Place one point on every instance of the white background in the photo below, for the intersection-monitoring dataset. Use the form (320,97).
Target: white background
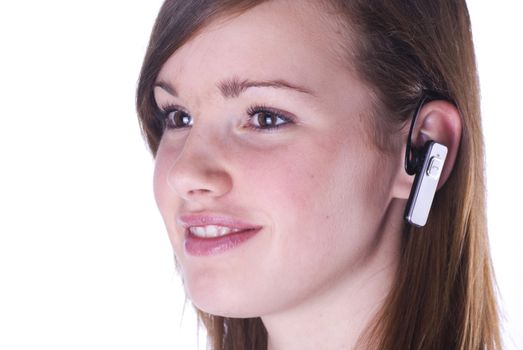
(84,259)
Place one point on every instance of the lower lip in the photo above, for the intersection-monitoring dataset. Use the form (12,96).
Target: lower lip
(195,245)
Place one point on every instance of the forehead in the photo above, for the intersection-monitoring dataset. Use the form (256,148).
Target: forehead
(291,39)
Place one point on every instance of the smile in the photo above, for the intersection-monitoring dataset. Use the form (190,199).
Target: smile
(214,234)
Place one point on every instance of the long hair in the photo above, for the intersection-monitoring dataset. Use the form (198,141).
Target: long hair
(443,296)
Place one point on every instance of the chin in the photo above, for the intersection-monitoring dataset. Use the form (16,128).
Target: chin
(224,300)
(225,308)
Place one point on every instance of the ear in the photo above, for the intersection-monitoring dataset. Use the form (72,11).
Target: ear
(438,121)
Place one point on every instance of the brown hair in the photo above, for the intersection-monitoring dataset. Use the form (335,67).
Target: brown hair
(443,296)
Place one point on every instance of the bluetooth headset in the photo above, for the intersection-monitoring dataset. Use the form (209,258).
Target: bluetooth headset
(427,164)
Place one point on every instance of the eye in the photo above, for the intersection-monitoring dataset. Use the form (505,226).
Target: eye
(174,118)
(263,118)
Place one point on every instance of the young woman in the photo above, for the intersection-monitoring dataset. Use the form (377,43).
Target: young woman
(282,134)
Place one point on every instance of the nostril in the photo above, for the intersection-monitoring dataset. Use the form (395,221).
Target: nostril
(195,184)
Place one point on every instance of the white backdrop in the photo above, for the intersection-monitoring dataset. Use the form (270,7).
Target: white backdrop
(84,259)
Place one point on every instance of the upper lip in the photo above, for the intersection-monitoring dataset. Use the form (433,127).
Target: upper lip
(190,220)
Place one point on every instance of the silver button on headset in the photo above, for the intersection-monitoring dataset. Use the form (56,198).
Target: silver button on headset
(434,169)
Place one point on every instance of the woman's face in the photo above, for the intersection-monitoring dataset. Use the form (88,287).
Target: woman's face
(268,136)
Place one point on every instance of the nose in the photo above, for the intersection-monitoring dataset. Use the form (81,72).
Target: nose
(199,172)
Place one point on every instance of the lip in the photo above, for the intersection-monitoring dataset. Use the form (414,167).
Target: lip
(201,246)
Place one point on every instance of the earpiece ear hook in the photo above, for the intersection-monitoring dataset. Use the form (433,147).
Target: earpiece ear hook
(412,155)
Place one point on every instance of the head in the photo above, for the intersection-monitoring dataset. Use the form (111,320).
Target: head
(292,117)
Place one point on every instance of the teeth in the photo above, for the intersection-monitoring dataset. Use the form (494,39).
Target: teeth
(212,231)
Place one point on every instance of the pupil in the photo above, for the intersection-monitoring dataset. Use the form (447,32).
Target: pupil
(180,118)
(267,119)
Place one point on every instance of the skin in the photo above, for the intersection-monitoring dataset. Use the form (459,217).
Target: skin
(329,202)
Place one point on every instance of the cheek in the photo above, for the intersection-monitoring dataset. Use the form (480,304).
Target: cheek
(160,183)
(283,179)
(314,176)
(323,191)
(166,199)
(164,192)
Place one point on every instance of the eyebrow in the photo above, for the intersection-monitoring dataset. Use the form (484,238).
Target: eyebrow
(234,87)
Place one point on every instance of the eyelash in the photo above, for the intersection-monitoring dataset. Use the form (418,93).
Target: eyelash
(252,111)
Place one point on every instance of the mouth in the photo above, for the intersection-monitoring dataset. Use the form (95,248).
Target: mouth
(212,234)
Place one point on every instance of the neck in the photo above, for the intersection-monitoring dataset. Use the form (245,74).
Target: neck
(338,316)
